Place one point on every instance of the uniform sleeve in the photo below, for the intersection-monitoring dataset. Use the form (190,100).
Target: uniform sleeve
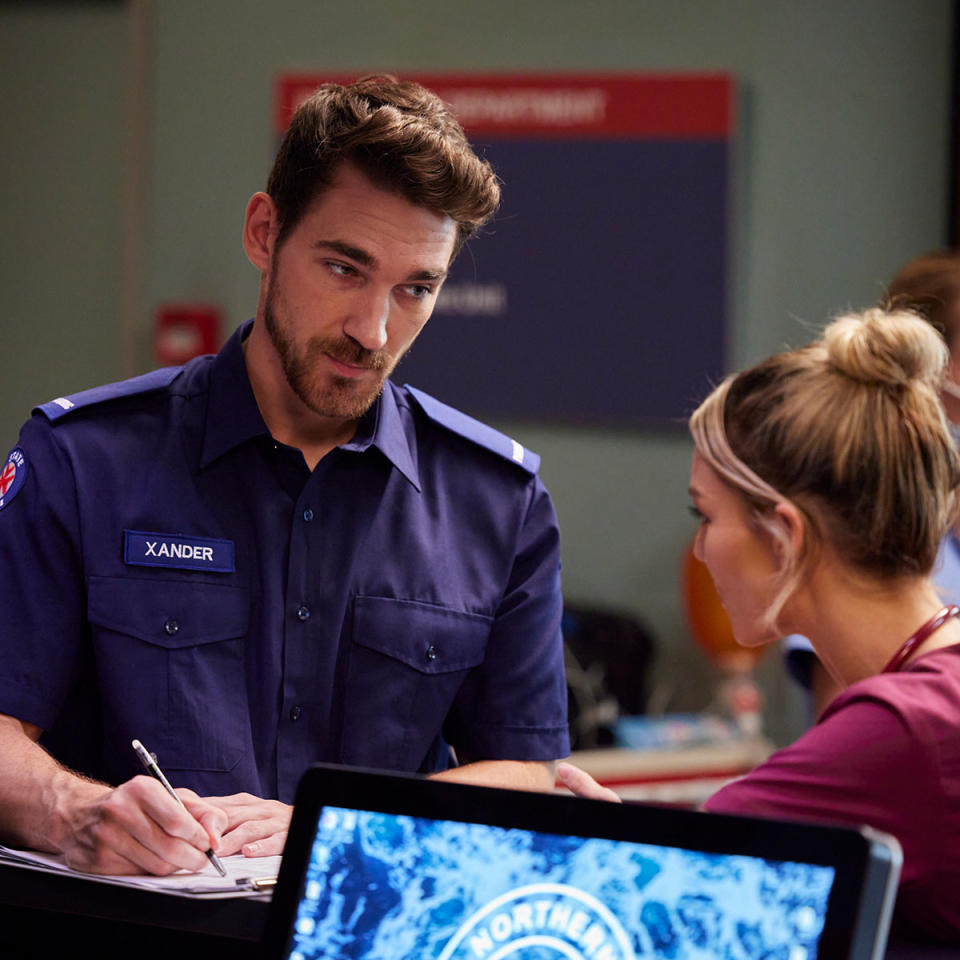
(514,706)
(41,585)
(861,765)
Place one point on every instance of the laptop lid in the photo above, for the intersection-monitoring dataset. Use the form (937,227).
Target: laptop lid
(394,867)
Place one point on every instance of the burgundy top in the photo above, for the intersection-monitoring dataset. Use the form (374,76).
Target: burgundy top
(886,752)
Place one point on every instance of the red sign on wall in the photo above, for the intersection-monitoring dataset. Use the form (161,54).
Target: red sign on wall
(184,331)
(561,105)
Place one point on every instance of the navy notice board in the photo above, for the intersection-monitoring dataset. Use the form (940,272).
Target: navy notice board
(597,295)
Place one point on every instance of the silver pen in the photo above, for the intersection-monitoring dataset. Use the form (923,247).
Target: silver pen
(147,760)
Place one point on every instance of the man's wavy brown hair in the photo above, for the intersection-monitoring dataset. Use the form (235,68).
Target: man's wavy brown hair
(401,135)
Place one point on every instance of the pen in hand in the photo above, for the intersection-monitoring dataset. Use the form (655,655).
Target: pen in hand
(157,773)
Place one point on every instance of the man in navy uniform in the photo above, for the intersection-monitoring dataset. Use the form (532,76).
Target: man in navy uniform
(275,556)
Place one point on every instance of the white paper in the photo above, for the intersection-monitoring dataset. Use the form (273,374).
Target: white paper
(207,883)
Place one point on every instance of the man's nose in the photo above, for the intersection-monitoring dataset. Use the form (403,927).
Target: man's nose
(367,322)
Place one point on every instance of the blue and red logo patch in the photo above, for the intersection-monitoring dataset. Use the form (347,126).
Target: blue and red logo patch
(12,476)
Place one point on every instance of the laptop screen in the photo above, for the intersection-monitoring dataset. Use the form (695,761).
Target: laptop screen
(400,886)
(444,883)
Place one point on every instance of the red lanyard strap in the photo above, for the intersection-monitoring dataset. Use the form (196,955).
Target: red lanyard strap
(914,641)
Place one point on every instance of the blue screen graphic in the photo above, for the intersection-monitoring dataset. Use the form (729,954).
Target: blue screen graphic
(387,887)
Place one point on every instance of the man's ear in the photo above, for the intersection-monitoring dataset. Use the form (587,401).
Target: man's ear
(260,226)
(792,529)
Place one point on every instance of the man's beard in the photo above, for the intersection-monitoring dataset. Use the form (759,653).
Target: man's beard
(328,395)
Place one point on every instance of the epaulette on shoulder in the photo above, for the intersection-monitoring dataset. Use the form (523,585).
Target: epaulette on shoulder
(155,380)
(479,433)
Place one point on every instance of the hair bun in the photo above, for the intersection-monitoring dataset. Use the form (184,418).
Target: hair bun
(889,347)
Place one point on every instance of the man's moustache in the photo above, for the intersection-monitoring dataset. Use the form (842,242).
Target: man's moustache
(355,355)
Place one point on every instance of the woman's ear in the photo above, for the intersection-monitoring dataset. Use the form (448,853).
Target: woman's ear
(260,231)
(792,529)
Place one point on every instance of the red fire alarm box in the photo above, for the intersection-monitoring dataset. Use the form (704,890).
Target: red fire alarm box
(184,331)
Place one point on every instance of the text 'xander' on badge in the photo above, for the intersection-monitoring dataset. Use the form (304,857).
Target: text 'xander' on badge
(178,551)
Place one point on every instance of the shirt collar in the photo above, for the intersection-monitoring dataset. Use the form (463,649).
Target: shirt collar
(233,416)
(232,412)
(382,427)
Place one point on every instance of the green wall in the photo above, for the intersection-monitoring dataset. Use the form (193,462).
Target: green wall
(841,176)
(62,75)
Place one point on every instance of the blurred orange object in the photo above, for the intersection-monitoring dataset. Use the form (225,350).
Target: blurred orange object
(708,620)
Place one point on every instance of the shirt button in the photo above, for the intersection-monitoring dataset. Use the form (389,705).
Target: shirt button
(303,612)
(431,652)
(295,713)
(308,514)
(171,627)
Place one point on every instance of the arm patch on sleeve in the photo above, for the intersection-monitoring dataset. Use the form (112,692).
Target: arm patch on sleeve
(12,476)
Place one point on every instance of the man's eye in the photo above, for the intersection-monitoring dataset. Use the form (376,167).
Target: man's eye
(418,291)
(340,269)
(700,518)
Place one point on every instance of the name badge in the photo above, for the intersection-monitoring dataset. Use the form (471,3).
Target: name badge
(184,553)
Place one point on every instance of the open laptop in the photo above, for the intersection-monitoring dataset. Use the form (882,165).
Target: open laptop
(396,867)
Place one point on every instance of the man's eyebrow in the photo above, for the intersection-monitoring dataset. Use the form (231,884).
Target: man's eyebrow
(348,250)
(427,275)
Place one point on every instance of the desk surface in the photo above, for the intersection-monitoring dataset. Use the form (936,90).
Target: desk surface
(686,774)
(46,915)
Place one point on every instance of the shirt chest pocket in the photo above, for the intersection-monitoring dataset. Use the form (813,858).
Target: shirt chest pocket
(170,660)
(406,663)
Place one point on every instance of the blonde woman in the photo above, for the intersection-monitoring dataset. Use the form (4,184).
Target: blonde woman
(825,479)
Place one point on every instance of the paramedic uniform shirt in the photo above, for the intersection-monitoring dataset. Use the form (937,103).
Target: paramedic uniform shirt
(169,572)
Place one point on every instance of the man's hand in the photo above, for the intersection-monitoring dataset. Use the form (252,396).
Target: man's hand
(583,785)
(255,827)
(136,828)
